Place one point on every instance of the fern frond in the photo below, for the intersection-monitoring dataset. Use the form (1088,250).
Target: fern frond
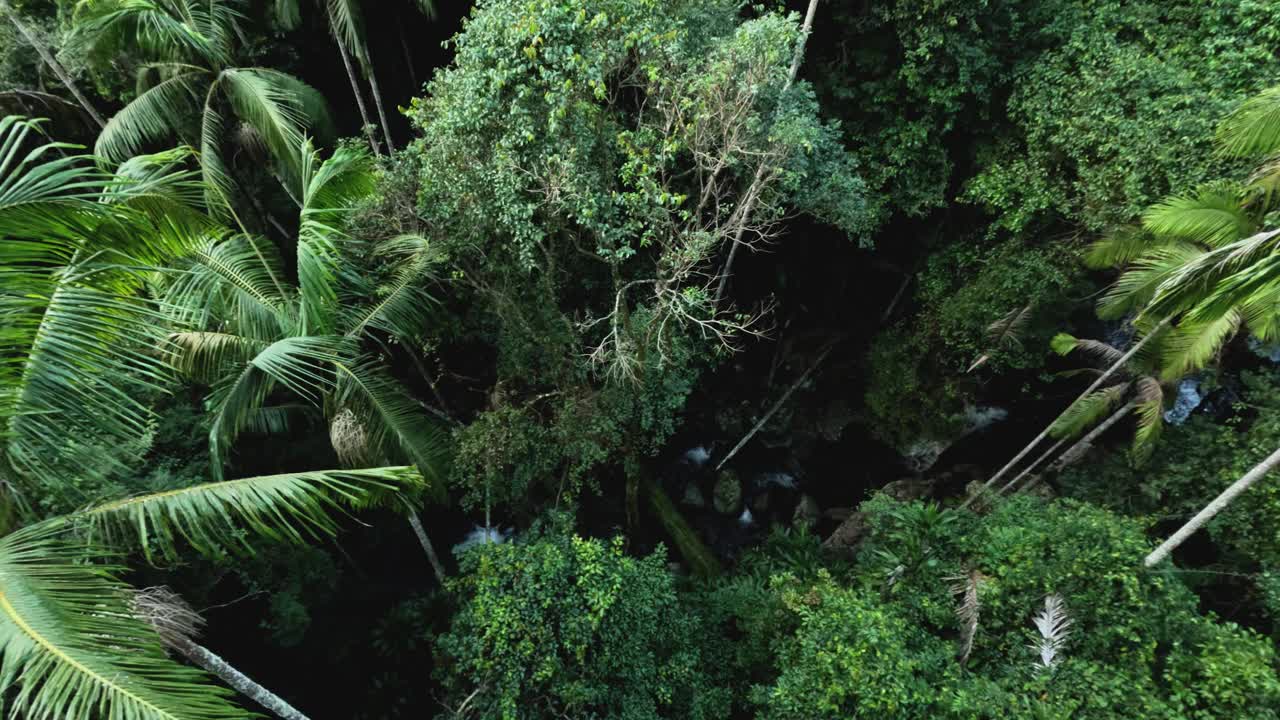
(1054,625)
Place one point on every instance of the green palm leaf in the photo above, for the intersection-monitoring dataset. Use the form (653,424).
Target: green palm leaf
(213,517)
(399,310)
(1214,215)
(1253,129)
(394,425)
(1194,343)
(1136,286)
(331,191)
(165,111)
(274,105)
(1118,247)
(1149,405)
(71,649)
(1087,411)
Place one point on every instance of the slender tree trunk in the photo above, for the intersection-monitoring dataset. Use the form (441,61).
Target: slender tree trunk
(427,547)
(206,659)
(1035,464)
(63,76)
(692,549)
(1077,451)
(1213,508)
(757,182)
(355,90)
(765,418)
(382,115)
(1117,365)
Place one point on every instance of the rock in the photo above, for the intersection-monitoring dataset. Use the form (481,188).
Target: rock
(726,498)
(849,534)
(760,504)
(693,496)
(807,512)
(908,488)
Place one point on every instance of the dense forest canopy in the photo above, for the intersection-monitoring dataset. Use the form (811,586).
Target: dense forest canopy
(639,359)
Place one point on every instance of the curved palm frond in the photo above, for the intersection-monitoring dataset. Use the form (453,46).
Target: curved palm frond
(1119,247)
(1194,343)
(213,517)
(399,310)
(1149,404)
(165,111)
(1087,411)
(1064,344)
(347,23)
(287,14)
(1253,129)
(173,30)
(234,282)
(394,425)
(207,356)
(331,191)
(1219,280)
(1136,286)
(1213,215)
(70,647)
(278,107)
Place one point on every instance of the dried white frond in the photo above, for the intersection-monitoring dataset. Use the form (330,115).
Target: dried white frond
(168,613)
(1004,334)
(349,438)
(1054,625)
(965,588)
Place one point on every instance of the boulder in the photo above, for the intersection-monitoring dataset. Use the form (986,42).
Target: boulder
(726,498)
(806,513)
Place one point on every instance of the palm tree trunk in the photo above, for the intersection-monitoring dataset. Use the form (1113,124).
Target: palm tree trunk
(245,685)
(1045,433)
(355,89)
(382,115)
(63,76)
(701,562)
(757,182)
(1213,508)
(1077,451)
(416,523)
(1035,464)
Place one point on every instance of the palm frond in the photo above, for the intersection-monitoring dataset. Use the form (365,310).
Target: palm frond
(234,281)
(1118,247)
(346,21)
(173,30)
(1253,129)
(275,105)
(1221,279)
(399,310)
(331,191)
(1096,350)
(1149,404)
(968,609)
(207,356)
(1136,286)
(227,515)
(1194,343)
(1213,215)
(1087,411)
(163,112)
(394,424)
(70,648)
(288,14)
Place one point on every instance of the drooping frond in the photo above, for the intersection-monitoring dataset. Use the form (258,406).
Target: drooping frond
(1004,333)
(1149,404)
(331,191)
(399,309)
(1136,286)
(1253,129)
(75,330)
(162,113)
(1221,279)
(1096,350)
(278,107)
(288,14)
(174,30)
(207,356)
(1260,312)
(219,189)
(1054,625)
(70,648)
(234,281)
(1087,411)
(1194,343)
(1118,247)
(395,425)
(1213,215)
(965,589)
(228,515)
(347,23)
